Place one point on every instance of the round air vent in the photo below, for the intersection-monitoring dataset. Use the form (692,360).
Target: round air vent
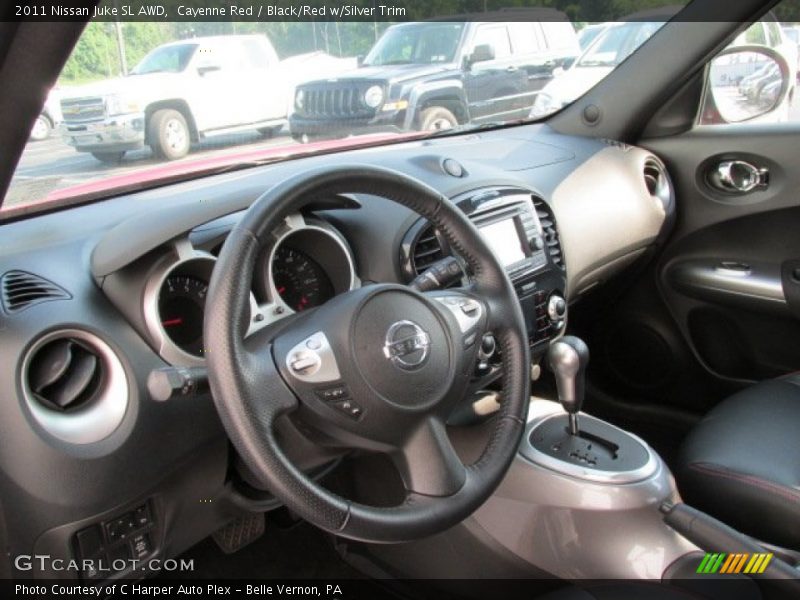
(65,374)
(75,386)
(656,181)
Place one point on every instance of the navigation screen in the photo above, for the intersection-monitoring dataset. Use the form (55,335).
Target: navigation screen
(504,241)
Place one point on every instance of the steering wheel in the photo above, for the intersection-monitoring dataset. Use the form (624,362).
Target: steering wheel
(378,368)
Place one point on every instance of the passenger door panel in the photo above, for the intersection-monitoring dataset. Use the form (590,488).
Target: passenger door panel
(728,273)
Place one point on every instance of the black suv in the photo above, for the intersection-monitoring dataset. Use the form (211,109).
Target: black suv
(436,75)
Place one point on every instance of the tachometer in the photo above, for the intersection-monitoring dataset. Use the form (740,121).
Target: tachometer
(181,303)
(299,280)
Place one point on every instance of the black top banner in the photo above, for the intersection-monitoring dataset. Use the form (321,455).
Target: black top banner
(372,10)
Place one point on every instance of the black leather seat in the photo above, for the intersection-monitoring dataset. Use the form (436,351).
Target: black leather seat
(741,463)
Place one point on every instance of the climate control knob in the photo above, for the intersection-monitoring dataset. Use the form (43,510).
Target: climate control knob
(556,308)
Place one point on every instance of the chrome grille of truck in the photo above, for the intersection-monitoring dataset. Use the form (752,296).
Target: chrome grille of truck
(344,102)
(78,110)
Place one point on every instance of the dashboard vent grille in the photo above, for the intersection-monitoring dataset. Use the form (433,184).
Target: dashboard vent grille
(427,250)
(65,374)
(21,290)
(551,239)
(653,176)
(657,181)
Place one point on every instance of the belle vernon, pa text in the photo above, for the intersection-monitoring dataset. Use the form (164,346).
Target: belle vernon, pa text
(253,10)
(135,589)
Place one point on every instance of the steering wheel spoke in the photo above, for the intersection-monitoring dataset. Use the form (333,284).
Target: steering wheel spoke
(428,463)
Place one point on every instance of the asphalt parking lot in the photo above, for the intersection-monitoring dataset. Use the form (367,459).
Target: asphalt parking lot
(52,164)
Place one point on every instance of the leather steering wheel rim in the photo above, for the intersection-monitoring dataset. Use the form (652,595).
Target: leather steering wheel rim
(251,390)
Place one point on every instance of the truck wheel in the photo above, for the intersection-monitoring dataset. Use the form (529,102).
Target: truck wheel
(437,118)
(41,129)
(168,134)
(110,158)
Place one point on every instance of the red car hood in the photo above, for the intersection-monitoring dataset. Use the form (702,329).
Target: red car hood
(142,178)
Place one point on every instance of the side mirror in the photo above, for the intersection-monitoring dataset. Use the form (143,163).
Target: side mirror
(360,60)
(481,53)
(208,68)
(745,83)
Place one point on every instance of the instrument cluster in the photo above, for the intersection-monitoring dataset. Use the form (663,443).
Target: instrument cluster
(308,264)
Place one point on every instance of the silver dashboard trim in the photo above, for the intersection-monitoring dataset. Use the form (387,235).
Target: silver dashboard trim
(98,419)
(275,308)
(166,348)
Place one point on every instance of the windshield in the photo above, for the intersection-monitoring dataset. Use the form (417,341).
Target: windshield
(419,43)
(169,59)
(617,43)
(234,94)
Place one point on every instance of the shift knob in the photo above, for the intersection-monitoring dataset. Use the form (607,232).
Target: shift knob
(568,357)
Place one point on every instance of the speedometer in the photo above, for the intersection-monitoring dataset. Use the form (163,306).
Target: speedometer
(180,306)
(300,281)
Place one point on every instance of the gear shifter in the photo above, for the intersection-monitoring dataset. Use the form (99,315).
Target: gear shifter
(568,358)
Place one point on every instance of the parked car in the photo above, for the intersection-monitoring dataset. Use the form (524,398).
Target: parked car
(173,96)
(49,119)
(792,34)
(751,87)
(589,33)
(619,40)
(437,75)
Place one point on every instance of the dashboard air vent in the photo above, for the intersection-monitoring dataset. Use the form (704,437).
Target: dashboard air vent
(657,181)
(65,374)
(427,250)
(21,290)
(550,231)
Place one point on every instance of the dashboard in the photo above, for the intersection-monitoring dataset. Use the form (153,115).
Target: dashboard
(115,291)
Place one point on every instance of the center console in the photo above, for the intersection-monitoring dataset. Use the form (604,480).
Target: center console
(582,498)
(520,229)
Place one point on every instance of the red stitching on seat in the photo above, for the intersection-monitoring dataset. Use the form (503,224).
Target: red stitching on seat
(787,493)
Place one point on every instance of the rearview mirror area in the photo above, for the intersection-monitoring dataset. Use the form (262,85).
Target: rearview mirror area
(747,83)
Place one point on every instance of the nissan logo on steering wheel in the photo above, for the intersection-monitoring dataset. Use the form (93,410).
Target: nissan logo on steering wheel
(407,345)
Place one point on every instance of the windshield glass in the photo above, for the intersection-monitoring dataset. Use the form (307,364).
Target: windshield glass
(169,59)
(140,103)
(419,43)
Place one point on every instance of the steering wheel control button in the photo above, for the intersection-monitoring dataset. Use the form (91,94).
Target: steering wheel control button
(313,361)
(407,345)
(350,408)
(470,308)
(329,394)
(466,311)
(305,363)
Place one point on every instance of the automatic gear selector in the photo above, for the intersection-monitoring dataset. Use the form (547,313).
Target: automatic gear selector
(587,447)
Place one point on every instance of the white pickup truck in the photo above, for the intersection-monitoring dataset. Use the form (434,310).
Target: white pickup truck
(173,96)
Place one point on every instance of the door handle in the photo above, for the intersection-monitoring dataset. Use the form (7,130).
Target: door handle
(738,177)
(511,69)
